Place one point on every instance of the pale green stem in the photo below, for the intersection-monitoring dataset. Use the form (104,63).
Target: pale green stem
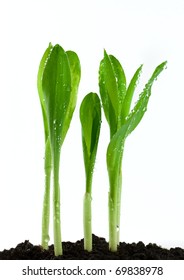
(56,209)
(115,208)
(112,224)
(119,205)
(119,189)
(46,201)
(87,222)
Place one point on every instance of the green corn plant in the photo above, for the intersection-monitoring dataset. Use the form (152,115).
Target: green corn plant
(116,101)
(90,117)
(58,81)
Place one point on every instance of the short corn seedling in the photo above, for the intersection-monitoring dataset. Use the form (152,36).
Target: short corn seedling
(58,81)
(90,117)
(116,101)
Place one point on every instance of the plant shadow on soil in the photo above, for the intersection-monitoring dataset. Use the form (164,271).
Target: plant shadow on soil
(75,251)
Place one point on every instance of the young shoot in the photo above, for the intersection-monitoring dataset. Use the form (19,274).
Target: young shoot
(116,101)
(58,80)
(90,117)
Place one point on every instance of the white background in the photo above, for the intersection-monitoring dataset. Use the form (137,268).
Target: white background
(136,32)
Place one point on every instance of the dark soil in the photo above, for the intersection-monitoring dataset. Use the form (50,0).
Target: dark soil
(75,251)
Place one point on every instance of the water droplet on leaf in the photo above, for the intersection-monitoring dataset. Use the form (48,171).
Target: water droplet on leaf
(47,239)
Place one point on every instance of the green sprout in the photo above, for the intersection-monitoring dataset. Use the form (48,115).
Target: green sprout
(116,101)
(58,81)
(90,117)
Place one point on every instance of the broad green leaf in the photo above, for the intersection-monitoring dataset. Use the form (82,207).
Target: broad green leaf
(39,86)
(111,83)
(120,80)
(75,70)
(90,117)
(106,102)
(57,94)
(129,94)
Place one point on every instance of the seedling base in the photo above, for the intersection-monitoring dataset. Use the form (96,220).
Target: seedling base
(75,251)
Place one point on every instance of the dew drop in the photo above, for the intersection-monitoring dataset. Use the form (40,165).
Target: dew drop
(144,109)
(47,238)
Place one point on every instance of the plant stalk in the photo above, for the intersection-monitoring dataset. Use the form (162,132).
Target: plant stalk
(119,179)
(112,224)
(56,209)
(46,201)
(115,207)
(119,204)
(87,222)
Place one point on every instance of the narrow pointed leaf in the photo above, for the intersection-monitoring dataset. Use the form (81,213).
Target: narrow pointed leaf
(140,108)
(129,94)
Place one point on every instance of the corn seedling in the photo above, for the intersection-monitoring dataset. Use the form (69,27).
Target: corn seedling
(58,80)
(116,101)
(90,117)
